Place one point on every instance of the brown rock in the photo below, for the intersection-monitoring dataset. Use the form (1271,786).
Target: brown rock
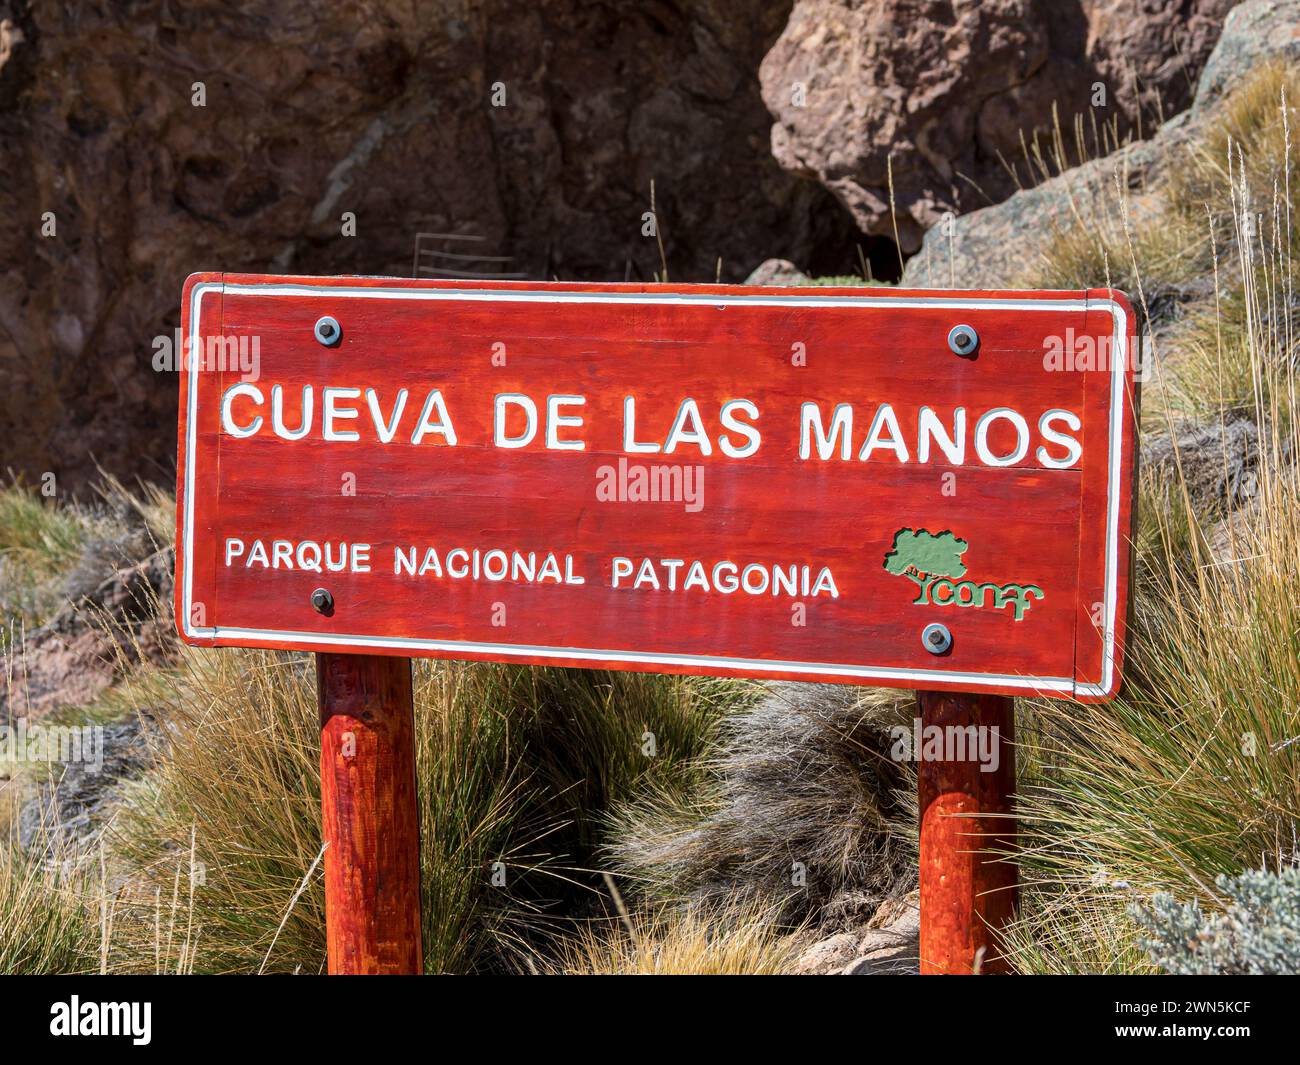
(777,272)
(384,109)
(986,248)
(53,670)
(84,649)
(946,90)
(892,943)
(827,955)
(888,943)
(895,912)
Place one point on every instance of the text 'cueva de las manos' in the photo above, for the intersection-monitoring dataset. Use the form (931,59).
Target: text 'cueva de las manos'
(822,431)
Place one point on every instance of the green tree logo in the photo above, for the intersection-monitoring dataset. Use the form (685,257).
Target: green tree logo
(921,556)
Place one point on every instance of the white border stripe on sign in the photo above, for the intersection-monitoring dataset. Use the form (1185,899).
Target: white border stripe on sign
(636,658)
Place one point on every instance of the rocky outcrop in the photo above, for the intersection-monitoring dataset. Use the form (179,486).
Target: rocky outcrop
(889,944)
(986,248)
(924,105)
(780,272)
(112,620)
(302,138)
(136,147)
(993,247)
(1255,31)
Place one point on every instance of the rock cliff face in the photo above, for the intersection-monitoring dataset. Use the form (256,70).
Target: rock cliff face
(946,89)
(142,141)
(139,143)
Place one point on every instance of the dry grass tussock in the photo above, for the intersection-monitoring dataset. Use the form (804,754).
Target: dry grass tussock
(1195,770)
(802,805)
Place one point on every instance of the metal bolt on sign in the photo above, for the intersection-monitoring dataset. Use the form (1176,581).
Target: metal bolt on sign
(936,638)
(322,601)
(963,340)
(328,331)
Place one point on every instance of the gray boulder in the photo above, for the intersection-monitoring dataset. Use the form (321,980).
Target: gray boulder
(889,943)
(1254,32)
(777,272)
(75,798)
(906,109)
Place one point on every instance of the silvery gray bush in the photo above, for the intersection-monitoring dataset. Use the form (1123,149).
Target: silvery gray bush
(1257,934)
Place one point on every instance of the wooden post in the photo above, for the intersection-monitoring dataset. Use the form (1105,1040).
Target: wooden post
(966,897)
(369,816)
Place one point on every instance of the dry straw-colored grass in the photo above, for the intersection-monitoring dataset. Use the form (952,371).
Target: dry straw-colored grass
(801,804)
(731,939)
(514,769)
(1195,769)
(50,902)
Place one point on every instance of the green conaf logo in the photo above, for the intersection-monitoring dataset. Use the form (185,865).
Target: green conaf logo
(933,562)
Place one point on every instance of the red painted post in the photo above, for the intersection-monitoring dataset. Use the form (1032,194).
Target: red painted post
(369,816)
(966,897)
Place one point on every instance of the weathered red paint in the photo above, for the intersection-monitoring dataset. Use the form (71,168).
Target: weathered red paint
(1064,530)
(968,892)
(370,821)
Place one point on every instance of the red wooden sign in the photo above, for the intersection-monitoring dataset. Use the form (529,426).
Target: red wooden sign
(919,489)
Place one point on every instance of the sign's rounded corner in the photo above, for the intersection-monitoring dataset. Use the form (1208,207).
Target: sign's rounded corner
(200,278)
